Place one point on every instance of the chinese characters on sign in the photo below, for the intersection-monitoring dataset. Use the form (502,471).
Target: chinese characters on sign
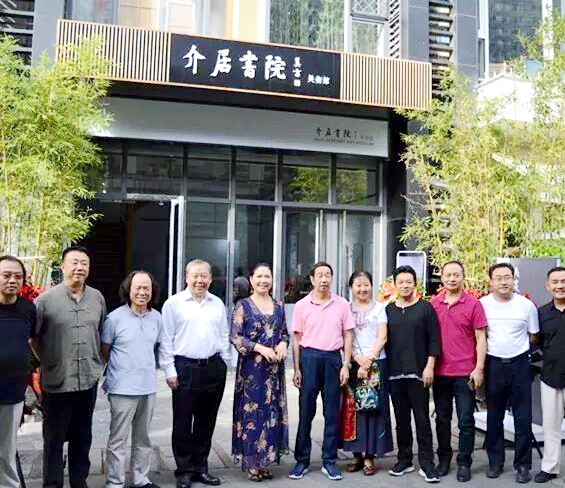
(344,135)
(255,67)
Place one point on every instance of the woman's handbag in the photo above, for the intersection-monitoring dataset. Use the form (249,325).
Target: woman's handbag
(366,392)
(367,397)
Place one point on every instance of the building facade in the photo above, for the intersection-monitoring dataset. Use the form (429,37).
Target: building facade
(16,20)
(229,147)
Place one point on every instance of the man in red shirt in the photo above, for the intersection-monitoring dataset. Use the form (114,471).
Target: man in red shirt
(460,368)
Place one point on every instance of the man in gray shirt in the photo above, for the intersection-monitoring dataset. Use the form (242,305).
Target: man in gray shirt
(129,337)
(69,319)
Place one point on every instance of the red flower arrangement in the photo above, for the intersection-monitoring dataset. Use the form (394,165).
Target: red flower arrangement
(30,292)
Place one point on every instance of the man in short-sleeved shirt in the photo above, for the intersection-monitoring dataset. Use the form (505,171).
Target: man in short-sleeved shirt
(69,318)
(17,320)
(460,367)
(511,319)
(322,325)
(552,343)
(129,338)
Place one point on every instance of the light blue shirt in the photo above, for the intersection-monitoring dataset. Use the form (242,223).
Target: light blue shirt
(132,339)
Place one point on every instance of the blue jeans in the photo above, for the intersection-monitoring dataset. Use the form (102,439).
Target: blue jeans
(320,374)
(509,379)
(445,389)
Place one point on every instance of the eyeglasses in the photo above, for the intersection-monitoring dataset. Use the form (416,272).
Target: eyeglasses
(503,279)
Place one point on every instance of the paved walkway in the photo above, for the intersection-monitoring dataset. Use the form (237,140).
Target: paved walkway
(220,462)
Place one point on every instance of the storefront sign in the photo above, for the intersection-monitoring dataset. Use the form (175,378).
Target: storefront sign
(254,67)
(214,124)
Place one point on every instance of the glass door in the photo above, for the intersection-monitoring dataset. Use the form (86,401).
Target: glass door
(348,241)
(176,281)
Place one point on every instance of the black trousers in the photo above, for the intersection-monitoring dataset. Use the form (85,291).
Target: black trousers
(320,374)
(509,379)
(445,390)
(67,417)
(410,396)
(196,402)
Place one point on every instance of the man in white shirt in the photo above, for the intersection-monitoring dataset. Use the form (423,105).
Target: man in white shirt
(511,319)
(194,355)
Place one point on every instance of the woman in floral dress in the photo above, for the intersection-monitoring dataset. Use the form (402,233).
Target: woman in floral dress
(369,434)
(260,421)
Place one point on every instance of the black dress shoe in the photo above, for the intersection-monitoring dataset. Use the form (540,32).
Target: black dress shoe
(463,474)
(443,468)
(184,481)
(543,477)
(494,471)
(207,479)
(523,475)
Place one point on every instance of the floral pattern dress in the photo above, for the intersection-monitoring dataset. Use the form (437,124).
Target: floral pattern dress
(260,419)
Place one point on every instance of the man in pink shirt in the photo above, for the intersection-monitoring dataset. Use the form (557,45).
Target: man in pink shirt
(322,326)
(460,369)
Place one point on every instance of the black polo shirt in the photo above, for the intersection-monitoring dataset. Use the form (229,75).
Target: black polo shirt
(552,343)
(16,324)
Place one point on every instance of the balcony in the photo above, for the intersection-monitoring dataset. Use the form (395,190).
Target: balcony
(149,56)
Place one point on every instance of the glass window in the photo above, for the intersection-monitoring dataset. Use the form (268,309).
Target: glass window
(358,247)
(253,237)
(154,168)
(111,172)
(357,180)
(368,38)
(208,171)
(314,23)
(91,11)
(306,177)
(301,242)
(207,238)
(255,173)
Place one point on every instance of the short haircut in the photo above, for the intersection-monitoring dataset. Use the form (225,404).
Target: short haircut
(552,270)
(76,248)
(125,288)
(197,262)
(358,274)
(498,266)
(320,264)
(14,259)
(405,269)
(454,261)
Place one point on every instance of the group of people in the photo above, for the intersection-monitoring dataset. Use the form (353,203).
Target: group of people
(453,343)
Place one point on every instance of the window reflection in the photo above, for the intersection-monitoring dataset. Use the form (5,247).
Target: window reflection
(301,253)
(154,168)
(255,174)
(253,237)
(208,171)
(306,177)
(356,180)
(314,23)
(206,238)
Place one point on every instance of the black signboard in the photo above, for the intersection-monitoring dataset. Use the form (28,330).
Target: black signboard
(256,67)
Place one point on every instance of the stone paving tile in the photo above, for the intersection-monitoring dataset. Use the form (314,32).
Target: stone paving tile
(30,446)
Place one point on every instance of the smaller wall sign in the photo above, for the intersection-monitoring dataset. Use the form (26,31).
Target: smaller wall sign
(255,67)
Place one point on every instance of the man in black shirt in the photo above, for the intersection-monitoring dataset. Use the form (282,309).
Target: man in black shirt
(552,343)
(412,347)
(17,318)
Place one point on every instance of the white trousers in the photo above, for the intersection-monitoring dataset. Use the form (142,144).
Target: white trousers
(10,418)
(552,401)
(129,413)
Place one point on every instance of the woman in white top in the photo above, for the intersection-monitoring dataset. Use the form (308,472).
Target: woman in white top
(370,434)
